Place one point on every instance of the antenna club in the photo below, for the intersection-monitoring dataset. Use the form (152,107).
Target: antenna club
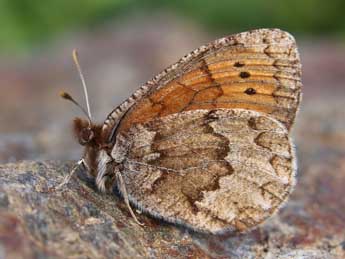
(65,95)
(68,97)
(75,55)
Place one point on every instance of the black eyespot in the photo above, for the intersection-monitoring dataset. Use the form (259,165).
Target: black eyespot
(250,91)
(238,64)
(244,74)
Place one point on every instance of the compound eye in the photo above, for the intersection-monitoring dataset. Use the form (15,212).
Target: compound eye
(86,135)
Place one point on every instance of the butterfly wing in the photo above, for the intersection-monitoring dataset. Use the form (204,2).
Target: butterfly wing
(211,170)
(258,70)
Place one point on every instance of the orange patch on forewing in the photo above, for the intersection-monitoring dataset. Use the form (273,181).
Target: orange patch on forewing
(240,87)
(193,77)
(165,91)
(238,80)
(144,111)
(236,54)
(167,100)
(243,97)
(176,101)
(252,75)
(177,96)
(236,92)
(207,82)
(209,94)
(214,105)
(259,62)
(219,65)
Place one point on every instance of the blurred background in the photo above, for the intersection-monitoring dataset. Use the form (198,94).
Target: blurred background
(124,43)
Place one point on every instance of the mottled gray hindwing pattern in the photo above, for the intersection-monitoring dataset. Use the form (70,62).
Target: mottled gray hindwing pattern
(210,170)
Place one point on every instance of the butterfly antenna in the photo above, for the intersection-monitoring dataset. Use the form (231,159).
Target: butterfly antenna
(68,97)
(76,61)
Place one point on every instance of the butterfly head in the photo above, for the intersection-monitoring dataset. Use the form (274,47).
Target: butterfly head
(85,132)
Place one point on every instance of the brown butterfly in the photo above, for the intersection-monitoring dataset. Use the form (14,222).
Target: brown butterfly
(206,142)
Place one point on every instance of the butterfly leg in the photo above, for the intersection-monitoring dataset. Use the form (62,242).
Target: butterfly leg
(123,190)
(69,176)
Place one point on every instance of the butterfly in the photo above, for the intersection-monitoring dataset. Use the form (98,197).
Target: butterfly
(206,143)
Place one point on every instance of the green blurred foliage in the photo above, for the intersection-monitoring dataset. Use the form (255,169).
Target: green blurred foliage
(27,22)
(313,17)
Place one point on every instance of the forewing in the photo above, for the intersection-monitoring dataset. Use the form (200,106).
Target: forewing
(212,170)
(258,70)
